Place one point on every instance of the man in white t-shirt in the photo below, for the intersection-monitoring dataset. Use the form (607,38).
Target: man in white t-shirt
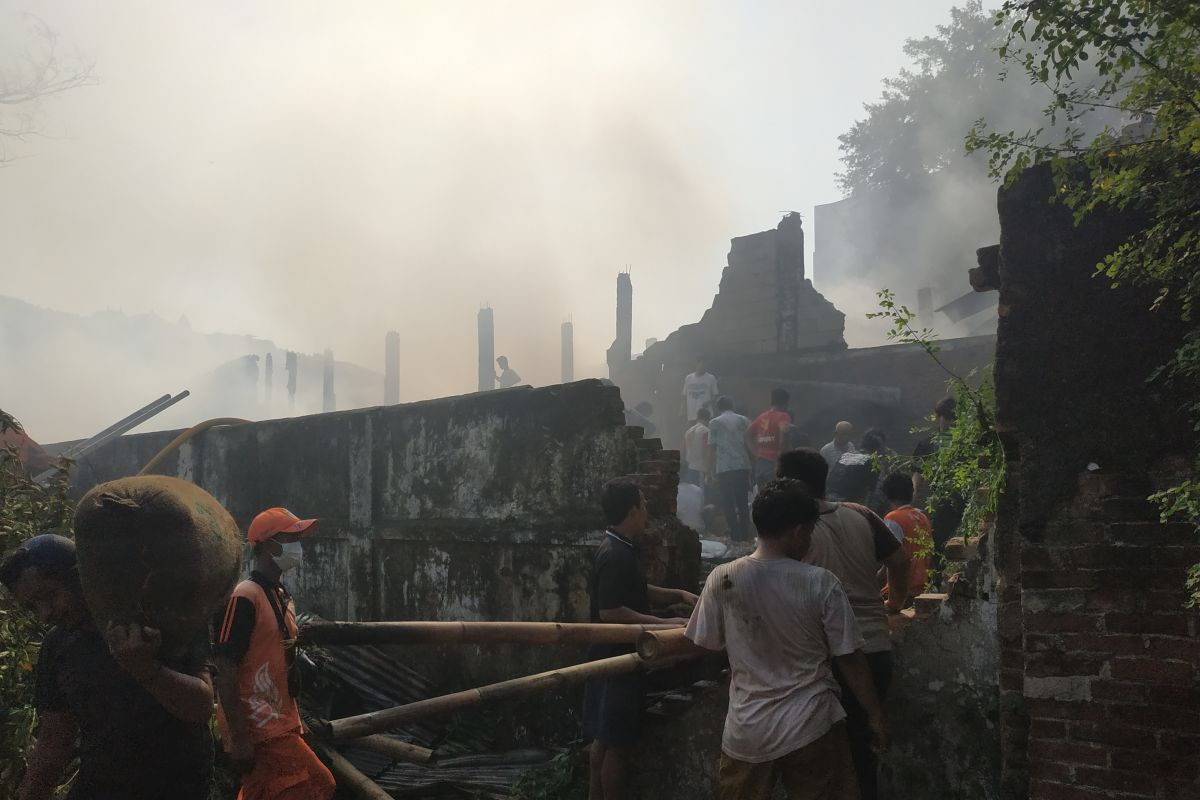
(699,390)
(784,624)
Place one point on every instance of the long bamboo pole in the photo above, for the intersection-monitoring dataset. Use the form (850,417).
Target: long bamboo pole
(344,633)
(388,718)
(401,751)
(658,645)
(347,775)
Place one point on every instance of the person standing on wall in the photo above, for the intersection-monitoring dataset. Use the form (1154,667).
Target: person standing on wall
(851,541)
(141,722)
(731,463)
(784,625)
(699,391)
(257,678)
(508,376)
(612,707)
(765,436)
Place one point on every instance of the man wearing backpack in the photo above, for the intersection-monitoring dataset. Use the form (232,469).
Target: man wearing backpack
(256,674)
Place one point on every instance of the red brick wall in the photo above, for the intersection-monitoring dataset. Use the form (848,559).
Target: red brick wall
(1100,658)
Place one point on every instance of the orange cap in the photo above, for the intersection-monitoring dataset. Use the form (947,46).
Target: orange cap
(276,520)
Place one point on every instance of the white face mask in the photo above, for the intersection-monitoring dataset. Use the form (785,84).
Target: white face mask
(291,557)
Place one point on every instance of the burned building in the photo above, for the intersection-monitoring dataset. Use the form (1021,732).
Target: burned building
(768,327)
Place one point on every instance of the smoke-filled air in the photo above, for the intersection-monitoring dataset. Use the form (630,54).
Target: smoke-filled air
(315,175)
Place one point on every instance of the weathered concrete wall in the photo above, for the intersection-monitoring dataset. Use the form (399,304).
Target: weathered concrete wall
(943,706)
(1100,679)
(481,507)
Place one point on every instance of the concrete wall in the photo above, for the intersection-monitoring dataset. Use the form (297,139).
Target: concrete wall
(481,507)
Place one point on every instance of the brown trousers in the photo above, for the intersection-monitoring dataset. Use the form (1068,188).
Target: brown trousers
(821,770)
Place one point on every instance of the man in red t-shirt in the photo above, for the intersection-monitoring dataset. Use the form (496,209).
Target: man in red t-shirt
(911,527)
(764,437)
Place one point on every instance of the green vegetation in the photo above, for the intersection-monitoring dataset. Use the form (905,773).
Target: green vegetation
(1147,56)
(968,468)
(26,509)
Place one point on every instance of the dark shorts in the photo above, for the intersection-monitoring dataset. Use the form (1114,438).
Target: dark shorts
(612,710)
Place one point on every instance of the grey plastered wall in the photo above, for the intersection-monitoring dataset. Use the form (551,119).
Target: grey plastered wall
(483,506)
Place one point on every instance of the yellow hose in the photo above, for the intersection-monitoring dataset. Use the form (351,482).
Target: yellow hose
(188,434)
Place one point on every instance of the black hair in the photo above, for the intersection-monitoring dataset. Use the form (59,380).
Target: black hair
(52,554)
(724,403)
(807,466)
(898,487)
(873,441)
(704,414)
(620,497)
(947,408)
(782,505)
(780,397)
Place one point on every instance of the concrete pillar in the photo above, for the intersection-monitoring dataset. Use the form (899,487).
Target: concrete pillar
(568,352)
(487,351)
(925,307)
(391,369)
(329,401)
(621,351)
(268,379)
(290,365)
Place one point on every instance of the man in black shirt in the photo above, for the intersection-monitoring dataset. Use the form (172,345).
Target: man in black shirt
(142,724)
(612,707)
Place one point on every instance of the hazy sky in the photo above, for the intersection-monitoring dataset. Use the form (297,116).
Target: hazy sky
(317,173)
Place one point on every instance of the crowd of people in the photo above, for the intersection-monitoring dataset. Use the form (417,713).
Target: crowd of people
(803,618)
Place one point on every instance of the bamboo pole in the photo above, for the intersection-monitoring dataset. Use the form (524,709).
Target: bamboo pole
(388,718)
(347,775)
(656,646)
(401,751)
(345,633)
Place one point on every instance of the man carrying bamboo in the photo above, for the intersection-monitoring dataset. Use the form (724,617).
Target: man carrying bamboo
(612,707)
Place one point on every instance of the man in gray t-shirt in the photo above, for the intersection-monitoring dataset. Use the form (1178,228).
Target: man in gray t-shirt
(784,624)
(731,464)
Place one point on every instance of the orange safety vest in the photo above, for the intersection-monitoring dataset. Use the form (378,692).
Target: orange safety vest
(263,672)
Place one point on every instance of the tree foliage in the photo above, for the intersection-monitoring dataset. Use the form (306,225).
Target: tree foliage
(916,127)
(26,509)
(38,72)
(968,468)
(1146,54)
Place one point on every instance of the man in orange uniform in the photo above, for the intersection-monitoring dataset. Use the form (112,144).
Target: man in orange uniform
(256,674)
(911,527)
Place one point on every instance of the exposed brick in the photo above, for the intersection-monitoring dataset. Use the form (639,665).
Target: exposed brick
(1048,790)
(1072,752)
(1108,733)
(1181,790)
(1166,624)
(1151,670)
(1047,729)
(1117,644)
(1063,623)
(1173,718)
(1120,690)
(1042,769)
(1059,579)
(1129,782)
(1063,664)
(1162,765)
(1188,696)
(1062,710)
